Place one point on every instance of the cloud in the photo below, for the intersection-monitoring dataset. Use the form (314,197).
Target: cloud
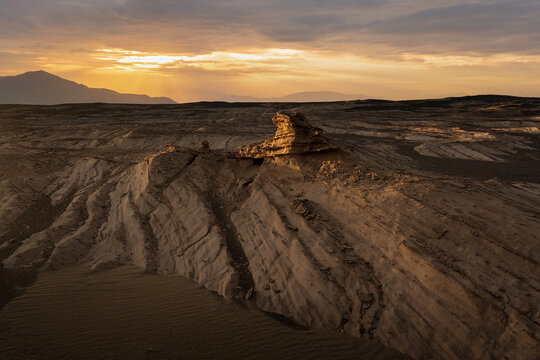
(394,47)
(481,27)
(195,25)
(11,61)
(265,60)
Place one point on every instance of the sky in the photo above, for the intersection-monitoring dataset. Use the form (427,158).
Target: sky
(193,50)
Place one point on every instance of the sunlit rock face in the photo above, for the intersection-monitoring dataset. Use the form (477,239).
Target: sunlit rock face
(294,135)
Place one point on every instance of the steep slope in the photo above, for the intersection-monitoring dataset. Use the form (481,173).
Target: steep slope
(42,88)
(360,239)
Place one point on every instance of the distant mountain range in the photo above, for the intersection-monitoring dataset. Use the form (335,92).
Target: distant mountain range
(306,96)
(42,88)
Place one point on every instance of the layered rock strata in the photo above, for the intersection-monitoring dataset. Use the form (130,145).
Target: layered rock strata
(294,135)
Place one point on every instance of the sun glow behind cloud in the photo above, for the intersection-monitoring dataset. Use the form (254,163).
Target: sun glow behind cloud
(217,60)
(273,71)
(268,72)
(194,50)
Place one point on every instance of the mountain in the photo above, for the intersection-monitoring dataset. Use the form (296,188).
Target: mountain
(305,96)
(42,88)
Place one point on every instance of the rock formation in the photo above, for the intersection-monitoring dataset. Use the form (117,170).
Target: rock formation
(294,135)
(439,262)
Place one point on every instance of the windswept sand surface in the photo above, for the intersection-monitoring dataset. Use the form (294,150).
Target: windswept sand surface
(126,314)
(420,233)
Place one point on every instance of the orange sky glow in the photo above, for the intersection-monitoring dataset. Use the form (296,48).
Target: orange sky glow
(191,51)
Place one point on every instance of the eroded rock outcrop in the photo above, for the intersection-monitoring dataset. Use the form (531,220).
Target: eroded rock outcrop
(294,135)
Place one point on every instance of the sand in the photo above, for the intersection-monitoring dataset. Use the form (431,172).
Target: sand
(126,313)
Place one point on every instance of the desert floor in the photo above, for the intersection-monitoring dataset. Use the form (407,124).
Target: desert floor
(419,230)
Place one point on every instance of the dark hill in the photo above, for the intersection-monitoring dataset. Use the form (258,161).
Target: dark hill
(42,88)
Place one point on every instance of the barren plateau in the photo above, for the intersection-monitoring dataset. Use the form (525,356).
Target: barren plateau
(415,224)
